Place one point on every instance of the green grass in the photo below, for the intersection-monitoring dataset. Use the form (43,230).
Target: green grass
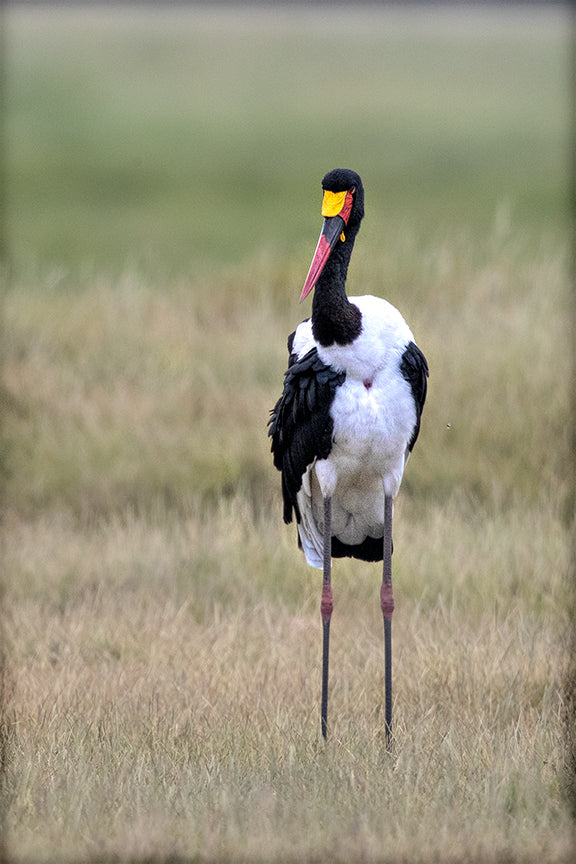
(180,138)
(161,631)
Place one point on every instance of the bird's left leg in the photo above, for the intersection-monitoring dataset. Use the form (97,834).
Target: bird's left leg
(387,606)
(326,607)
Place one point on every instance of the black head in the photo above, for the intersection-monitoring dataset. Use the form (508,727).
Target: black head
(343,210)
(343,180)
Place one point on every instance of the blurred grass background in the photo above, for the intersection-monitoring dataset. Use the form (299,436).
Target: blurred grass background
(178,153)
(184,139)
(161,629)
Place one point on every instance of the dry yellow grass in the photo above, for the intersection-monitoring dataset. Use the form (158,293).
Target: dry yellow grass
(165,680)
(162,631)
(149,654)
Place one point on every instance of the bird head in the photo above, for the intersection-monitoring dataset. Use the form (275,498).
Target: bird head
(343,210)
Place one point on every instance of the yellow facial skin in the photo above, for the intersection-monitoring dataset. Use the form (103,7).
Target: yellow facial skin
(332,203)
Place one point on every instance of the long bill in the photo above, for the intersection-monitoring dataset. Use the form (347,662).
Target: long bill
(332,229)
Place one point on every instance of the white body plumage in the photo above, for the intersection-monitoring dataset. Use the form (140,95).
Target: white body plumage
(374,417)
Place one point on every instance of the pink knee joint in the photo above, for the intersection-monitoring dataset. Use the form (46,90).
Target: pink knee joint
(327,603)
(386,599)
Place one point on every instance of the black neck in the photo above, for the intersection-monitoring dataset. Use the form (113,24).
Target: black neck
(334,318)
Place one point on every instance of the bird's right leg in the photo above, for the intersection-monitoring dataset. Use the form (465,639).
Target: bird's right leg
(326,607)
(387,605)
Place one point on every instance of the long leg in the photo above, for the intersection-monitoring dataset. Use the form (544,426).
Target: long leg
(387,605)
(326,607)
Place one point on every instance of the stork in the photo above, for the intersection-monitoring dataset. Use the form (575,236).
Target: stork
(348,417)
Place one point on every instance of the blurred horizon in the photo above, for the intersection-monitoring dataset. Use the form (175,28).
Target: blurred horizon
(190,136)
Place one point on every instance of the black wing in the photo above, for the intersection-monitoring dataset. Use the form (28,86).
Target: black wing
(414,369)
(300,423)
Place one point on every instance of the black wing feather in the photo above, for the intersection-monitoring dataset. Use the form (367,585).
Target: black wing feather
(414,369)
(300,423)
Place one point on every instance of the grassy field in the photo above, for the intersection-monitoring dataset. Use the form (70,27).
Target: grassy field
(161,631)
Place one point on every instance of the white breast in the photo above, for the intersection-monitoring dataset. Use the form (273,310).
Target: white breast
(374,417)
(384,333)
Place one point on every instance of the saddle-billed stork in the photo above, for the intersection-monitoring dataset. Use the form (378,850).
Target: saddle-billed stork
(348,417)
